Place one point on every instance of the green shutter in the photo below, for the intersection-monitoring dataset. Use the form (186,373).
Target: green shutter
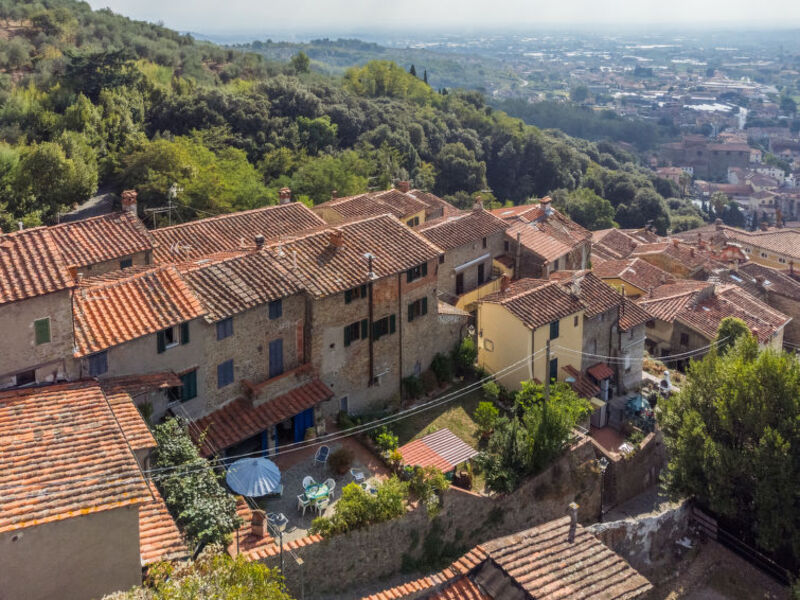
(347,335)
(408,276)
(161,342)
(185,332)
(363,291)
(189,389)
(392,324)
(425,305)
(364,329)
(348,296)
(41,331)
(410,312)
(424,269)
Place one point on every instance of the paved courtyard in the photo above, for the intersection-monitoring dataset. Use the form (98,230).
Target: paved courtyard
(295,466)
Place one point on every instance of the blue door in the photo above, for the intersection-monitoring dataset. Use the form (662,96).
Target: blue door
(303,421)
(275,358)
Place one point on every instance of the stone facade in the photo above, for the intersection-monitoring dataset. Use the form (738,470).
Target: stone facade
(530,264)
(458,271)
(49,361)
(137,259)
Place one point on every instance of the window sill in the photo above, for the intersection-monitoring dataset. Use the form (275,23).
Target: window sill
(172,345)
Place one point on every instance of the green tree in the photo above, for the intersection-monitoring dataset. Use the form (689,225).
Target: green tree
(191,488)
(788,105)
(647,208)
(579,93)
(586,208)
(729,331)
(719,201)
(732,215)
(213,574)
(347,174)
(316,134)
(486,415)
(732,438)
(412,71)
(459,170)
(301,63)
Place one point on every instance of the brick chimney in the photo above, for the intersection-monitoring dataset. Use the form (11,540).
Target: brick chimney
(129,201)
(336,238)
(572,510)
(258,524)
(403,186)
(284,196)
(259,240)
(675,242)
(478,205)
(546,204)
(718,224)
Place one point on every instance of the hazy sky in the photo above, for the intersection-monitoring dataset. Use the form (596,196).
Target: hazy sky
(350,15)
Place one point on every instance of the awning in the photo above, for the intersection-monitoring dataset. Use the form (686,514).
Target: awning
(239,420)
(600,371)
(582,385)
(441,449)
(474,261)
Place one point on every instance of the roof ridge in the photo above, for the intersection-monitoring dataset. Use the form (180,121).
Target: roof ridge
(100,283)
(229,215)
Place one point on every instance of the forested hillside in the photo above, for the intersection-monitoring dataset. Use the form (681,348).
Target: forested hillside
(94,100)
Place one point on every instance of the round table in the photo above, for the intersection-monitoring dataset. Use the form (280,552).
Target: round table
(318,491)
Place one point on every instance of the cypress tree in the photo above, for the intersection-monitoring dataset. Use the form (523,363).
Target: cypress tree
(425,76)
(413,71)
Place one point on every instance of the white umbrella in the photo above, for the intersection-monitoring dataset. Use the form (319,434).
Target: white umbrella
(254,477)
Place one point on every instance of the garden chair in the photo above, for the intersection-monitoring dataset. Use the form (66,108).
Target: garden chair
(308,481)
(278,520)
(321,457)
(303,503)
(358,476)
(331,483)
(321,505)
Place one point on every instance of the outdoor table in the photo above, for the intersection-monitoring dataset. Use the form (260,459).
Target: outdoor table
(318,491)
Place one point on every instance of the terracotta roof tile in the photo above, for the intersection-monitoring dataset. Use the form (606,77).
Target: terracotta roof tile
(238,284)
(114,309)
(537,302)
(231,231)
(549,236)
(239,419)
(682,254)
(62,454)
(582,385)
(245,542)
(159,537)
(635,271)
(102,238)
(774,281)
(31,265)
(613,243)
(441,449)
(461,589)
(371,204)
(456,231)
(435,204)
(600,371)
(136,431)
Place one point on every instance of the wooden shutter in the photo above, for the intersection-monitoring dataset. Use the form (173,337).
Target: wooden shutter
(185,332)
(392,324)
(410,312)
(364,329)
(347,335)
(425,305)
(409,276)
(41,331)
(424,269)
(348,296)
(161,342)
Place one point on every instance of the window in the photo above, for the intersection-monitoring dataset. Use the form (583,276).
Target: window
(344,403)
(125,263)
(41,330)
(506,246)
(225,374)
(555,265)
(650,324)
(554,329)
(275,358)
(355,293)
(225,328)
(459,284)
(553,374)
(98,364)
(483,242)
(275,309)
(417,309)
(575,321)
(441,259)
(763,255)
(187,390)
(172,336)
(481,274)
(417,272)
(684,339)
(25,377)
(355,331)
(384,326)
(413,222)
(627,362)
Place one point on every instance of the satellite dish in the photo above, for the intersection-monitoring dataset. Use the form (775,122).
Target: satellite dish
(471,330)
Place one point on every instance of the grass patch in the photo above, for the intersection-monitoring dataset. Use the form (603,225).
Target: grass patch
(455,416)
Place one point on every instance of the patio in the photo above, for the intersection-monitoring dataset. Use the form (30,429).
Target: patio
(295,466)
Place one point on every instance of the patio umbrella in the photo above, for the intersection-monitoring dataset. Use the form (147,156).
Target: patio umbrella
(253,477)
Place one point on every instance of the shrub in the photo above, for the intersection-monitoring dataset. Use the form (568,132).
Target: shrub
(429,381)
(340,460)
(427,485)
(344,421)
(464,357)
(395,458)
(491,391)
(486,415)
(387,441)
(442,367)
(412,387)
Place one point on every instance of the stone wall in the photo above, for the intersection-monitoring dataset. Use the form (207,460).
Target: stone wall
(791,308)
(466,519)
(629,476)
(464,254)
(649,541)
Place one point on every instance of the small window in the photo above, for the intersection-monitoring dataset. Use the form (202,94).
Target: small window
(441,259)
(275,309)
(355,293)
(344,404)
(25,377)
(225,374)
(506,246)
(125,263)
(98,364)
(413,222)
(554,330)
(187,390)
(575,321)
(225,328)
(627,362)
(417,272)
(483,242)
(417,309)
(41,330)
(650,324)
(763,255)
(384,326)
(684,339)
(355,331)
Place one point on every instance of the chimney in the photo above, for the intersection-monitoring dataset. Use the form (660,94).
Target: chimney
(129,201)
(73,272)
(284,196)
(718,224)
(760,280)
(336,238)
(691,252)
(546,205)
(21,225)
(334,194)
(259,239)
(505,281)
(402,186)
(478,205)
(573,524)
(258,524)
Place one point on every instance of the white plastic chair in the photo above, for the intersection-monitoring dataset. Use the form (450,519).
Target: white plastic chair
(321,505)
(321,457)
(303,503)
(308,481)
(331,483)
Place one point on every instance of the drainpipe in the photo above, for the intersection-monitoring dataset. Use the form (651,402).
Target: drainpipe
(371,314)
(516,256)
(400,330)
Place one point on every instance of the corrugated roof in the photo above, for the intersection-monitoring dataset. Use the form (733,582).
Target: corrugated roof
(239,419)
(102,238)
(31,265)
(62,455)
(441,449)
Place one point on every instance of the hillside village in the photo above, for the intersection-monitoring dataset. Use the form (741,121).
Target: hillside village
(267,329)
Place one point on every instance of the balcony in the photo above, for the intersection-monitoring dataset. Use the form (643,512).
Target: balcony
(468,301)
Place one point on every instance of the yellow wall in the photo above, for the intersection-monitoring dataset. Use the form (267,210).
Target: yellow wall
(631,291)
(504,340)
(468,300)
(772,259)
(419,215)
